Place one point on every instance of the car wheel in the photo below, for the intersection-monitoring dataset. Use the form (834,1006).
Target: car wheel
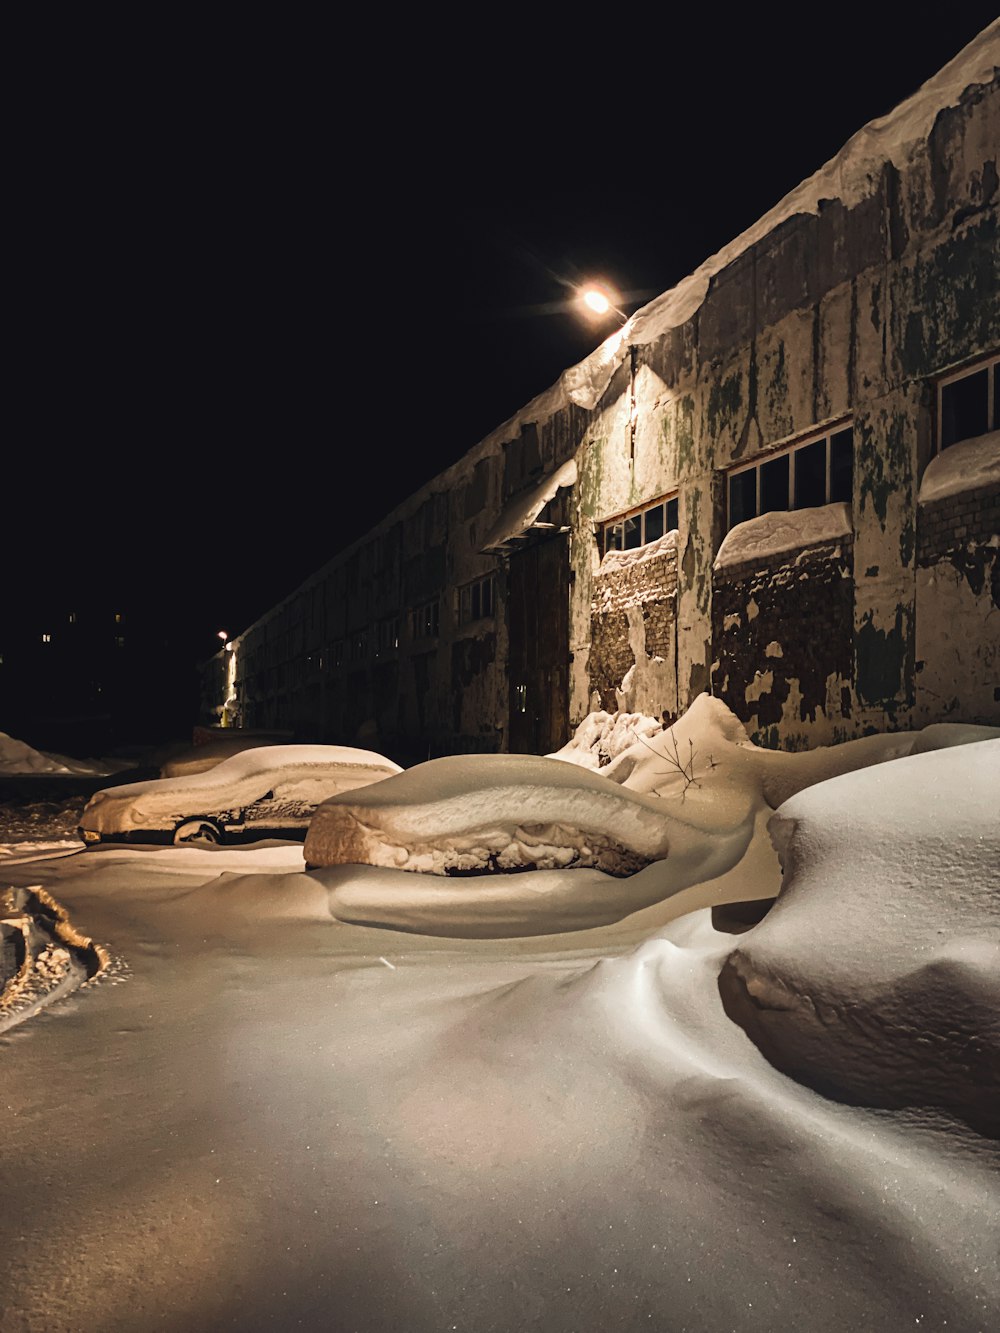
(198,833)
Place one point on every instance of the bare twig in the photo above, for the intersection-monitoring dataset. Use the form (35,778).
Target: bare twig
(686,769)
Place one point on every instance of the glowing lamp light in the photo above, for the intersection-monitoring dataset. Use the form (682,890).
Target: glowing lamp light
(597,299)
(223,635)
(594,299)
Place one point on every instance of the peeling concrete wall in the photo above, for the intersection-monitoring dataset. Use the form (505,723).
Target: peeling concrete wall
(633,634)
(783,630)
(851,312)
(958,608)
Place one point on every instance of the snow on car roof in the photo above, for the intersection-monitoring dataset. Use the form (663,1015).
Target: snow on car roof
(268,759)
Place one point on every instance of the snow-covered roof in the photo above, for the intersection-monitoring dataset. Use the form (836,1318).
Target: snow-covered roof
(850,176)
(519,515)
(786,531)
(962,467)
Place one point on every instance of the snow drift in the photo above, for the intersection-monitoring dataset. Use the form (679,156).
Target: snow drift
(711,792)
(875,978)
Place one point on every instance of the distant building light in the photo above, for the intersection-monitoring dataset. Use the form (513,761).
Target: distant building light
(118,617)
(46,638)
(229,647)
(72,617)
(119,641)
(223,634)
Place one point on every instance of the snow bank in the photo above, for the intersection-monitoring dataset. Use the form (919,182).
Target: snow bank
(962,467)
(713,790)
(42,956)
(16,757)
(601,737)
(785,531)
(423,1133)
(876,976)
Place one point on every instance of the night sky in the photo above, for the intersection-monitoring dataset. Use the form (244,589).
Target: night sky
(273,286)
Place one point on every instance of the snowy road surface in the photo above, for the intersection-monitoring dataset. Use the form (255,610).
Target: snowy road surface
(263,1118)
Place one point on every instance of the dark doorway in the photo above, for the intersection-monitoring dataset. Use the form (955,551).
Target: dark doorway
(538,610)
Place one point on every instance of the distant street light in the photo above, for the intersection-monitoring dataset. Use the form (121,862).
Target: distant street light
(223,635)
(597,299)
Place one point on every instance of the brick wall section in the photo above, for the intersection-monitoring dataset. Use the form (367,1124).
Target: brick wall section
(648,584)
(802,601)
(972,516)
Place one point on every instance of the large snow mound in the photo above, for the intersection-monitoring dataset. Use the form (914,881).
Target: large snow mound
(712,789)
(875,978)
(602,736)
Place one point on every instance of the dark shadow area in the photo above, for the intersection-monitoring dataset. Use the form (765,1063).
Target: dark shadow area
(852,1054)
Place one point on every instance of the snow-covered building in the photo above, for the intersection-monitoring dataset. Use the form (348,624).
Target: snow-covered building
(779,482)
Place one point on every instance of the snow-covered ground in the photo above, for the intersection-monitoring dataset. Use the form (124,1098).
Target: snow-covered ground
(17,757)
(260,1116)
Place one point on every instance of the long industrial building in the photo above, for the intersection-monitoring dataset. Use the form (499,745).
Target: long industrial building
(779,482)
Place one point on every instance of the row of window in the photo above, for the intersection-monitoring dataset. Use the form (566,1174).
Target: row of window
(815,471)
(818,469)
(475,601)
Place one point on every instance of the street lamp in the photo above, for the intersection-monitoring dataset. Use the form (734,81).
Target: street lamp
(597,299)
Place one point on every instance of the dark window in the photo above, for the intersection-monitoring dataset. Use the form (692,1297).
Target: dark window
(742,496)
(823,473)
(810,475)
(965,408)
(654,523)
(629,532)
(774,485)
(476,600)
(842,465)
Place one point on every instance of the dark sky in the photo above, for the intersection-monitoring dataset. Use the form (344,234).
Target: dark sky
(274,282)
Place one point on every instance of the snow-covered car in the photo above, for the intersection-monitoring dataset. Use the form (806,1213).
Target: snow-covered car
(487,813)
(267,792)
